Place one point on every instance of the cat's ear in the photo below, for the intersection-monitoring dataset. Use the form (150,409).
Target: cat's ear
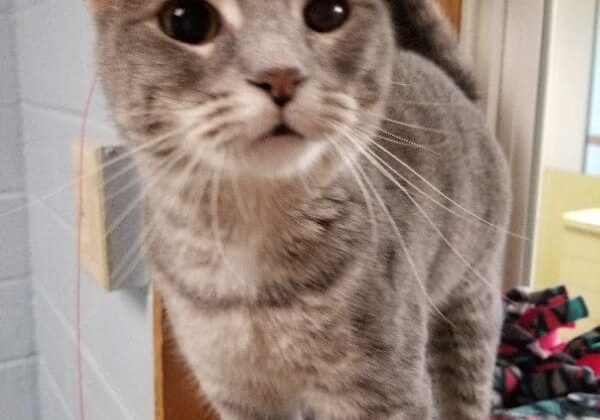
(421,27)
(98,7)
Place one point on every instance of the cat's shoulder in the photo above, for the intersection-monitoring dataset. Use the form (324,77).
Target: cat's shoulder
(422,93)
(420,78)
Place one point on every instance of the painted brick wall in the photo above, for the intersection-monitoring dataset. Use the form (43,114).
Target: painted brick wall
(18,396)
(55,64)
(18,390)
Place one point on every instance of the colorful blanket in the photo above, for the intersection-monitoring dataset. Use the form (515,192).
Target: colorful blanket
(574,406)
(537,375)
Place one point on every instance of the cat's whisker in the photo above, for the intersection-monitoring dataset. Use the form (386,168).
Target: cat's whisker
(419,127)
(378,164)
(346,129)
(405,144)
(227,137)
(407,253)
(239,201)
(399,140)
(214,211)
(435,189)
(399,235)
(433,104)
(196,110)
(401,84)
(214,220)
(214,126)
(444,195)
(305,184)
(202,96)
(463,216)
(129,167)
(136,253)
(342,100)
(449,244)
(396,139)
(136,180)
(378,128)
(33,201)
(185,181)
(187,116)
(148,183)
(369,203)
(134,256)
(413,126)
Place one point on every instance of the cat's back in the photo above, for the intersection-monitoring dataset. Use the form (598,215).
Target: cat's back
(430,106)
(447,162)
(442,135)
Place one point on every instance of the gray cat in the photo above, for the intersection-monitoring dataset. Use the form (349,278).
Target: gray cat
(325,209)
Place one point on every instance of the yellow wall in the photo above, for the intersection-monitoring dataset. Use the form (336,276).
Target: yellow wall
(561,192)
(564,255)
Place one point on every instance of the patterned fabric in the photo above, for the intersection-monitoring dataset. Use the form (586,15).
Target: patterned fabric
(537,376)
(586,349)
(574,406)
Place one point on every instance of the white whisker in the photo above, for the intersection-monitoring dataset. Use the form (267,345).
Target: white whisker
(374,161)
(239,201)
(419,127)
(401,240)
(442,194)
(148,183)
(399,140)
(59,190)
(365,192)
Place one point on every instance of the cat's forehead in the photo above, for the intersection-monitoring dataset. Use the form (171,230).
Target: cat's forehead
(236,11)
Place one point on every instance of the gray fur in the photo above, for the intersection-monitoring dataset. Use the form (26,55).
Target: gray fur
(291,292)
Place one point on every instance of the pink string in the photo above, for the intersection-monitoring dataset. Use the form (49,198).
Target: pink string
(84,119)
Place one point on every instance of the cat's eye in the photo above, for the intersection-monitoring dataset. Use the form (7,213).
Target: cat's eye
(189,21)
(326,15)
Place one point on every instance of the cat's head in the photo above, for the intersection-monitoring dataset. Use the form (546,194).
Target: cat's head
(266,88)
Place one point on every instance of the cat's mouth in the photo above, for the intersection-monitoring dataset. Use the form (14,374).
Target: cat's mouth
(281,149)
(281,130)
(280,134)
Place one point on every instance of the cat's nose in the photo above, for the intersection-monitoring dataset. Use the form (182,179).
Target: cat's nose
(281,84)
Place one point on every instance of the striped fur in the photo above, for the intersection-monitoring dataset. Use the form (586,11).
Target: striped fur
(322,279)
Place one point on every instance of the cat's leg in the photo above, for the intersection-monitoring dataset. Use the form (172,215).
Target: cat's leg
(233,411)
(231,402)
(375,400)
(463,353)
(346,409)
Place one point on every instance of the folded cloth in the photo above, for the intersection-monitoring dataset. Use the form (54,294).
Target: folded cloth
(533,363)
(586,349)
(574,406)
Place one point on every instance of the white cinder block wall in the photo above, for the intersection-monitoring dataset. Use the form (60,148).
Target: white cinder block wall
(54,63)
(18,396)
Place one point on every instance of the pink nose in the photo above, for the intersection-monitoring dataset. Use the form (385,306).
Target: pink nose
(281,84)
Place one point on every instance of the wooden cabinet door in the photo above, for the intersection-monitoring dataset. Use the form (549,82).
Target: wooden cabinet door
(453,9)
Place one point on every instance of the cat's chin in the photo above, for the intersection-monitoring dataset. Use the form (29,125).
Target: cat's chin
(282,155)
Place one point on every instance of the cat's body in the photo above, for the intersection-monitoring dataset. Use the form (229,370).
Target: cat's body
(267,332)
(309,295)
